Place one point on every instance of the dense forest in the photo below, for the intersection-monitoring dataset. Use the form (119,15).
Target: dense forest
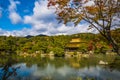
(46,44)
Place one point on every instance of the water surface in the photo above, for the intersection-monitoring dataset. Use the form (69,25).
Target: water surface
(63,69)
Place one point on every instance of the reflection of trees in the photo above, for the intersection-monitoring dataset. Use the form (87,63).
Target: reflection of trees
(29,65)
(57,62)
(86,78)
(115,64)
(8,70)
(73,62)
(87,62)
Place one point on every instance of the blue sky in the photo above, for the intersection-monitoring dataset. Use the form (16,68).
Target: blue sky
(23,17)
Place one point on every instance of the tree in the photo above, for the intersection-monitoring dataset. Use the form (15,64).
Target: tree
(59,52)
(103,15)
(8,45)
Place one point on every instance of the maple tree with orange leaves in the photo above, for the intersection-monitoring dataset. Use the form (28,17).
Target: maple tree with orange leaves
(103,15)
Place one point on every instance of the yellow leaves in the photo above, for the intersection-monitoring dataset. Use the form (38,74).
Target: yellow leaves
(78,21)
(97,17)
(79,17)
(74,1)
(67,11)
(62,2)
(61,13)
(51,3)
(69,15)
(91,9)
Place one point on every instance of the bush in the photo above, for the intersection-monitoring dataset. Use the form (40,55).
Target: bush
(59,52)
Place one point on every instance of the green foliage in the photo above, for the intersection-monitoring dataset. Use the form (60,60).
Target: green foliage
(99,15)
(83,48)
(56,44)
(8,45)
(59,52)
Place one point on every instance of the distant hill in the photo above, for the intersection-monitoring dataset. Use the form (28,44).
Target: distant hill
(29,36)
(42,35)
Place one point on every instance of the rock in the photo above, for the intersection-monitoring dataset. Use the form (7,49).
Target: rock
(102,62)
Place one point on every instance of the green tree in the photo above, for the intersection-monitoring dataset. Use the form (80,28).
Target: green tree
(27,47)
(100,14)
(9,45)
(59,52)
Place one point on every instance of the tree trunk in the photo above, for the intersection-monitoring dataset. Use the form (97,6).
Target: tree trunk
(115,47)
(114,44)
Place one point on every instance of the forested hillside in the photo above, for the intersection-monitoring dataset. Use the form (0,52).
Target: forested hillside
(57,44)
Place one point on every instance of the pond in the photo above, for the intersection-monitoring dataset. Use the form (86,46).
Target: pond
(61,69)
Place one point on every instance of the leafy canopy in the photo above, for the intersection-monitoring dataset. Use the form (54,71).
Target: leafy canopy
(101,14)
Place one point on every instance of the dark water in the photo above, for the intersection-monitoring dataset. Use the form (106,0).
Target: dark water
(61,69)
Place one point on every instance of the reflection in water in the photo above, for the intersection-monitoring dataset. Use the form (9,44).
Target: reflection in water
(99,73)
(61,73)
(8,70)
(61,69)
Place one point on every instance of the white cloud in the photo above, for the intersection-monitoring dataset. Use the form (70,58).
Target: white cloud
(42,21)
(89,3)
(41,18)
(13,15)
(41,9)
(60,30)
(4,32)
